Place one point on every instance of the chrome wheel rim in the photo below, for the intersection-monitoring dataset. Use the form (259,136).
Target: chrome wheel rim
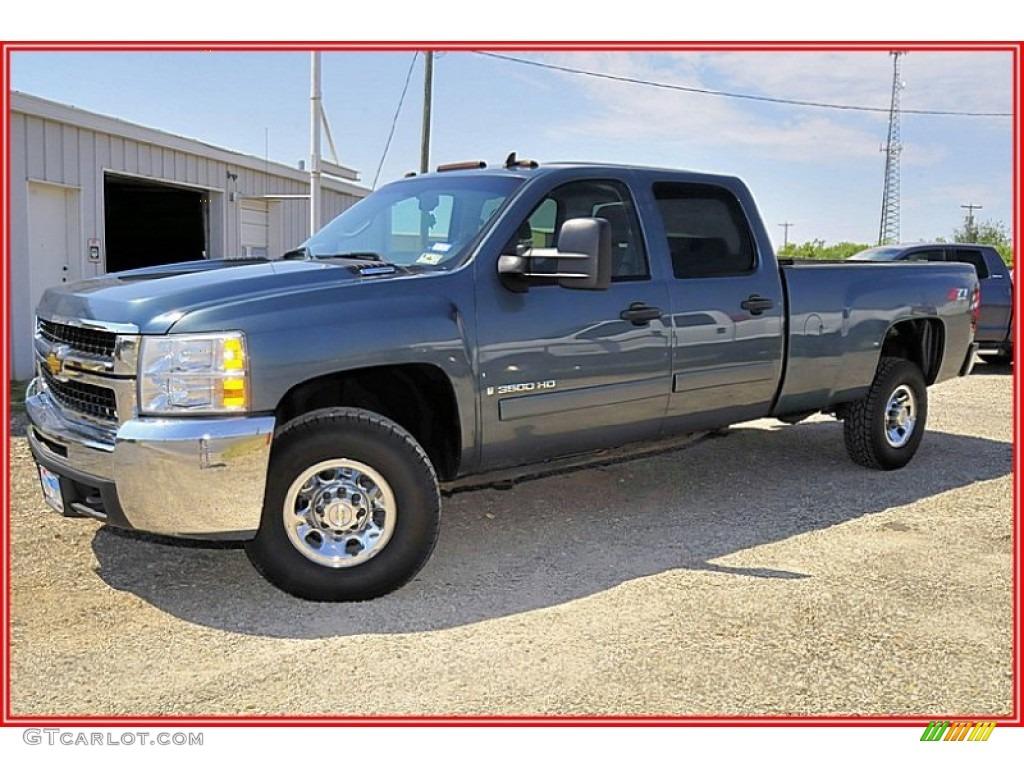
(340,513)
(900,416)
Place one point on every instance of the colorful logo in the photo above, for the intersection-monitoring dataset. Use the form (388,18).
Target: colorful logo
(943,730)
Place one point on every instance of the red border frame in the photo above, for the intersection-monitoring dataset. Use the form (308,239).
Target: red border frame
(8,719)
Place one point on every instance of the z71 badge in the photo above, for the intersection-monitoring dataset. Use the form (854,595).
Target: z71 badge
(957,294)
(518,389)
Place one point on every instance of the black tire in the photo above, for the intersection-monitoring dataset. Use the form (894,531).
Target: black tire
(871,428)
(362,455)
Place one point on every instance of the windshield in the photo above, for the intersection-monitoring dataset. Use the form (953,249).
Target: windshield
(878,254)
(426,222)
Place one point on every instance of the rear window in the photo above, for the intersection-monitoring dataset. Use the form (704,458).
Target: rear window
(934,254)
(898,253)
(977,258)
(706,230)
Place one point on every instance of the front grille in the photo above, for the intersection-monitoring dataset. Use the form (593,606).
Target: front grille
(98,402)
(79,339)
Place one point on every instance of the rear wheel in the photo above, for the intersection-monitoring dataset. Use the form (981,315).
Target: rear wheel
(884,430)
(352,509)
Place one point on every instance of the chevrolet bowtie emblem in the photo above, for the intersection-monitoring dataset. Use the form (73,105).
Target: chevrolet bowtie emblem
(54,363)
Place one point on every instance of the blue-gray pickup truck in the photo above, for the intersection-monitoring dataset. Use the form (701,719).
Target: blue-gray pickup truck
(456,323)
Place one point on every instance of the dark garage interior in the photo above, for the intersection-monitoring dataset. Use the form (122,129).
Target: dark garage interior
(151,224)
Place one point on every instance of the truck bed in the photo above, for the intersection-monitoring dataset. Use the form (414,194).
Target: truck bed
(838,312)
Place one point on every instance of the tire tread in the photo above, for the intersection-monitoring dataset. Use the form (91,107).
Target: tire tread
(337,418)
(859,433)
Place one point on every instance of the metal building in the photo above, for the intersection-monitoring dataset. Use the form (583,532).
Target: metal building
(92,194)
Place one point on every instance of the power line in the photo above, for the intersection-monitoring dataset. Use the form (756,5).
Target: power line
(971,208)
(731,94)
(970,233)
(785,226)
(394,120)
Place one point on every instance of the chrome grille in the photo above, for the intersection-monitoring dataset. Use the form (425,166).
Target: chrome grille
(89,340)
(97,402)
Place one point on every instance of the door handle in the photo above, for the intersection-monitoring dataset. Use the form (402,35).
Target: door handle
(755,304)
(640,313)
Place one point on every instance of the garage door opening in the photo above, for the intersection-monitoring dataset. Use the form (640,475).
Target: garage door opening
(150,224)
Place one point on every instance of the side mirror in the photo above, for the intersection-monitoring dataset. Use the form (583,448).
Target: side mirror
(582,258)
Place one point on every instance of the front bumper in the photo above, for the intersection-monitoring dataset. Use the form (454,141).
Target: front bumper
(189,477)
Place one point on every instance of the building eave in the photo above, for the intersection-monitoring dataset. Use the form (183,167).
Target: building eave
(36,106)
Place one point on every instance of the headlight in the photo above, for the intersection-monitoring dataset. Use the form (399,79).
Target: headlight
(205,372)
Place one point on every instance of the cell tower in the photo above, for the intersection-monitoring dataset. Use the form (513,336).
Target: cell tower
(889,229)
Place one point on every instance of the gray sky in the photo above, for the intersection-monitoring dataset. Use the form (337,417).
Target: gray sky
(819,168)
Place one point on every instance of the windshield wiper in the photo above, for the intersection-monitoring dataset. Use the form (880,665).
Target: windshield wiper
(355,255)
(379,266)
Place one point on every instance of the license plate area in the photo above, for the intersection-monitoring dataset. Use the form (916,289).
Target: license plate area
(51,489)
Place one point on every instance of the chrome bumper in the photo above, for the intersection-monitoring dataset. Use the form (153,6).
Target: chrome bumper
(189,477)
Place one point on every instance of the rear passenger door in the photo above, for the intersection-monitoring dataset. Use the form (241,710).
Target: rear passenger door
(727,308)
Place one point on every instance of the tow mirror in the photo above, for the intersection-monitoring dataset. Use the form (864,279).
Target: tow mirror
(582,258)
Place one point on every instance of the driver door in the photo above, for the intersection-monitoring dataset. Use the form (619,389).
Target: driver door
(564,371)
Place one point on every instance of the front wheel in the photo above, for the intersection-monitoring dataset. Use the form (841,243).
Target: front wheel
(351,511)
(883,430)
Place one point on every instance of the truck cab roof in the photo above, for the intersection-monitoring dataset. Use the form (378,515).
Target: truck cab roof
(567,167)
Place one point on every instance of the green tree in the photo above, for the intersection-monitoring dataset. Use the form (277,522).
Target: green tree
(988,232)
(816,249)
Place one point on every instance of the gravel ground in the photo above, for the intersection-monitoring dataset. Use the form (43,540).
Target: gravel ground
(760,572)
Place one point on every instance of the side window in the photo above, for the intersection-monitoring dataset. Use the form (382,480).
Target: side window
(707,233)
(977,258)
(609,200)
(542,225)
(488,209)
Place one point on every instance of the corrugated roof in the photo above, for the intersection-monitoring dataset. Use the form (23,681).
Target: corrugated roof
(65,113)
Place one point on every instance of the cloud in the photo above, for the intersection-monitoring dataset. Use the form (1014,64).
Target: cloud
(963,81)
(923,154)
(960,81)
(955,194)
(863,78)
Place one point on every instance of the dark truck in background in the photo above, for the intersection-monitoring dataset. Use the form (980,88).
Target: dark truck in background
(995,319)
(455,323)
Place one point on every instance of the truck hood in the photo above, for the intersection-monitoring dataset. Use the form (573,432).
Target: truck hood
(154,299)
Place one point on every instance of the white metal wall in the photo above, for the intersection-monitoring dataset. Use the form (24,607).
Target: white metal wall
(254,238)
(45,148)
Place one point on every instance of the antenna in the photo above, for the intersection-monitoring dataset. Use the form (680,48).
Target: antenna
(889,228)
(315,108)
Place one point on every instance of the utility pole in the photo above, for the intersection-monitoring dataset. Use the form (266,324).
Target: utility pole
(889,227)
(315,110)
(969,231)
(785,228)
(428,96)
